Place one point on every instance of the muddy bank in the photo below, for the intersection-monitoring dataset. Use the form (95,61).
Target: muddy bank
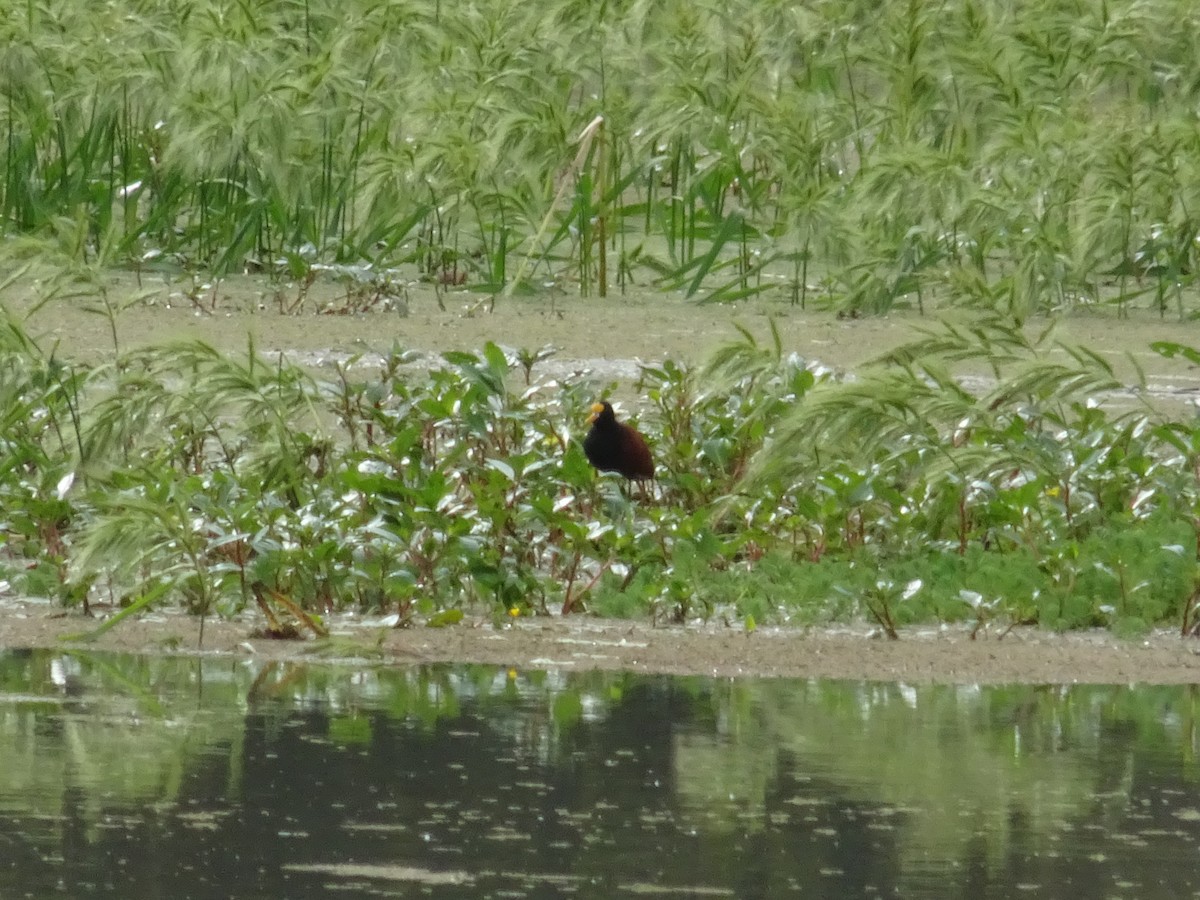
(922,655)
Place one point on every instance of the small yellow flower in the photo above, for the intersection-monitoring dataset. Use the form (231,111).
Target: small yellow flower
(1053,491)
(514,612)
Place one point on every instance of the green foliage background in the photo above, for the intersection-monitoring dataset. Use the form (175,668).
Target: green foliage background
(1013,157)
(1010,155)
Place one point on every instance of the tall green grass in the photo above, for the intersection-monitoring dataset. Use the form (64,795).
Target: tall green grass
(1016,156)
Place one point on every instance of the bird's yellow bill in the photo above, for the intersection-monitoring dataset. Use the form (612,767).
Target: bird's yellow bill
(596,409)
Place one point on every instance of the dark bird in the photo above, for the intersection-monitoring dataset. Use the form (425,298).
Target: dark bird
(613,446)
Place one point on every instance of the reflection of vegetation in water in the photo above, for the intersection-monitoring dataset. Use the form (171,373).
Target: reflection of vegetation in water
(942,766)
(588,763)
(784,494)
(109,730)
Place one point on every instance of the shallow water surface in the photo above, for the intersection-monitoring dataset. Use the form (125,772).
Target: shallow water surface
(133,777)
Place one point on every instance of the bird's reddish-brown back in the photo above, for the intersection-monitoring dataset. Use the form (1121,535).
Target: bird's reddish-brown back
(613,446)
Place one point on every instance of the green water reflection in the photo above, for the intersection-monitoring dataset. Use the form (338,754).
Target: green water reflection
(134,777)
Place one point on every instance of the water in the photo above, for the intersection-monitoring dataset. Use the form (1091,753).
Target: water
(138,778)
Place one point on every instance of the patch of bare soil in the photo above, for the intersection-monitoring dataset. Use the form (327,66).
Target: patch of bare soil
(646,324)
(922,655)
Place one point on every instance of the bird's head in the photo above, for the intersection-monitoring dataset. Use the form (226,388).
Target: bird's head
(601,410)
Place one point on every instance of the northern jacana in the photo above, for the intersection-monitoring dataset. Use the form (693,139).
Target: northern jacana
(613,446)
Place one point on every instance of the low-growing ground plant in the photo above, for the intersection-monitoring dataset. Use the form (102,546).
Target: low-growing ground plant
(177,474)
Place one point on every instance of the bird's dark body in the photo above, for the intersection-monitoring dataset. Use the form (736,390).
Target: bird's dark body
(613,446)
